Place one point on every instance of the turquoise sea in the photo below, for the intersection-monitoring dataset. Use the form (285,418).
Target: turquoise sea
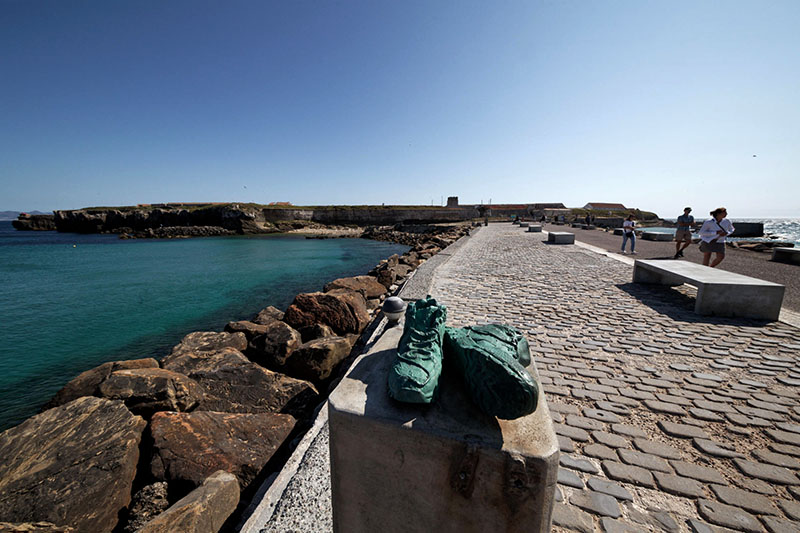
(783,229)
(70,302)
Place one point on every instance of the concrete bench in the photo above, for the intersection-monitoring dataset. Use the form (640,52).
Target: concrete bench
(657,236)
(786,255)
(523,224)
(535,228)
(561,237)
(719,292)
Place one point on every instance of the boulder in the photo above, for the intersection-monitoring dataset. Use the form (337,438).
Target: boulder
(315,331)
(368,286)
(268,315)
(72,465)
(210,341)
(86,383)
(273,347)
(31,527)
(234,384)
(147,390)
(410,258)
(401,271)
(385,275)
(147,503)
(188,447)
(317,359)
(373,303)
(204,510)
(250,329)
(344,311)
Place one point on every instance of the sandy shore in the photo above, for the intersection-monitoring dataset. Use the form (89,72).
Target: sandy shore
(749,263)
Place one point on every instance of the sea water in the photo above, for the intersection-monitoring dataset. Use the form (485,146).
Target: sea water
(782,229)
(70,302)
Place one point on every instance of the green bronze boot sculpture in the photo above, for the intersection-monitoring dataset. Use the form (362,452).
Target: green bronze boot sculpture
(492,359)
(414,376)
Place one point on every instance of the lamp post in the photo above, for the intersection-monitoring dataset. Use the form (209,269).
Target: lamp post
(393,308)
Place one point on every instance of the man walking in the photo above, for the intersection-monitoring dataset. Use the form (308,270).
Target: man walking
(683,235)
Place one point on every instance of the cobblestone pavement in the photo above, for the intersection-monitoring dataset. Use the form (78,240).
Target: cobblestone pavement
(667,421)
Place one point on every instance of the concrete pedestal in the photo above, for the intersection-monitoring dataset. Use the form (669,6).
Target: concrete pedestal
(534,229)
(784,255)
(561,237)
(446,467)
(523,224)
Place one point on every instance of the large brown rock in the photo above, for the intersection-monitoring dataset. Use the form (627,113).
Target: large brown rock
(147,390)
(273,347)
(86,383)
(250,329)
(208,341)
(315,331)
(268,315)
(368,286)
(317,359)
(204,510)
(188,447)
(385,275)
(343,310)
(72,465)
(234,384)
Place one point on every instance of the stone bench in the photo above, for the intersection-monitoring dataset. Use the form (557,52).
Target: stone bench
(444,467)
(657,236)
(786,255)
(534,228)
(719,292)
(561,237)
(523,224)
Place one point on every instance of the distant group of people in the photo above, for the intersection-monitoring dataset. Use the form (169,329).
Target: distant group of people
(712,235)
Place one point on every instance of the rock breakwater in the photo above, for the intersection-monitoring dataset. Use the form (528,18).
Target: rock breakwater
(162,431)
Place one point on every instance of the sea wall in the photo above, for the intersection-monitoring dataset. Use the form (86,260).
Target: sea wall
(370,215)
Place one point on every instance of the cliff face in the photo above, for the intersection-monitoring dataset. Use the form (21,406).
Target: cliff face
(230,217)
(27,222)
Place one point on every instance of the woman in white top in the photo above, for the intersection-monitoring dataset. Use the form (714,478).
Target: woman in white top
(628,232)
(712,236)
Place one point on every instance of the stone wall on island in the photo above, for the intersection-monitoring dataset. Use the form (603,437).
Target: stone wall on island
(238,399)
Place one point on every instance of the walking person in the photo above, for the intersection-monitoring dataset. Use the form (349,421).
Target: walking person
(712,236)
(683,235)
(628,232)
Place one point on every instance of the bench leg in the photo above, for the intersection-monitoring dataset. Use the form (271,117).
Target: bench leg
(739,301)
(644,275)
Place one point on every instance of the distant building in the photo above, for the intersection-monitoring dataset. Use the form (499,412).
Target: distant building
(452,201)
(604,206)
(280,204)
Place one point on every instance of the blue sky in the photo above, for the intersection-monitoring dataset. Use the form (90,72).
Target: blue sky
(653,104)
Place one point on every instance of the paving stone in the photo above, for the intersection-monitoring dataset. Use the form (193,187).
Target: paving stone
(571,432)
(602,416)
(600,388)
(749,501)
(628,473)
(569,478)
(710,447)
(777,459)
(572,518)
(557,417)
(599,451)
(584,423)
(698,472)
(611,407)
(743,420)
(681,430)
(791,508)
(704,414)
(664,407)
(787,449)
(680,367)
(769,406)
(789,381)
(619,400)
(565,444)
(779,525)
(645,460)
(753,383)
(564,408)
(771,473)
(609,439)
(728,516)
(653,520)
(717,407)
(791,428)
(636,394)
(708,377)
(610,488)
(582,465)
(628,431)
(696,526)
(590,394)
(597,503)
(784,437)
(609,525)
(757,485)
(657,448)
(678,485)
(674,398)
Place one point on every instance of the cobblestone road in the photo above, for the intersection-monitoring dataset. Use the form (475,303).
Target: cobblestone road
(667,421)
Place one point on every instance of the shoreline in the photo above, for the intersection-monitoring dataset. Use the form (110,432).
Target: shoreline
(295,330)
